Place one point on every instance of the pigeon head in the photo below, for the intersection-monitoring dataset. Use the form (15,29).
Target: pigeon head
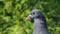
(34,14)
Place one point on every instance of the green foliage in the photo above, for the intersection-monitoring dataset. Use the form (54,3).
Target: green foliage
(14,12)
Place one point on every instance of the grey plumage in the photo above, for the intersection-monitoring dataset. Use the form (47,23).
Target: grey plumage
(40,26)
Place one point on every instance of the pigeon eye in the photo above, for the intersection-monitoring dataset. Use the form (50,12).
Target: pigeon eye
(33,13)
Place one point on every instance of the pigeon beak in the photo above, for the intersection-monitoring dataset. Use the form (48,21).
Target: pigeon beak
(29,17)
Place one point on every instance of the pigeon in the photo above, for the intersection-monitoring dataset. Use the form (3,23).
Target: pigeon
(40,26)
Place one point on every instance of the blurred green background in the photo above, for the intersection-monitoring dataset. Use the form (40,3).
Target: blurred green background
(14,12)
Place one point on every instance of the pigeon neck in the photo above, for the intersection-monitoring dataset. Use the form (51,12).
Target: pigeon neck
(40,27)
(37,22)
(36,18)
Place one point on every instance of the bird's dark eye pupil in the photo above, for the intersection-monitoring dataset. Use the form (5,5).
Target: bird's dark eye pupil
(33,13)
